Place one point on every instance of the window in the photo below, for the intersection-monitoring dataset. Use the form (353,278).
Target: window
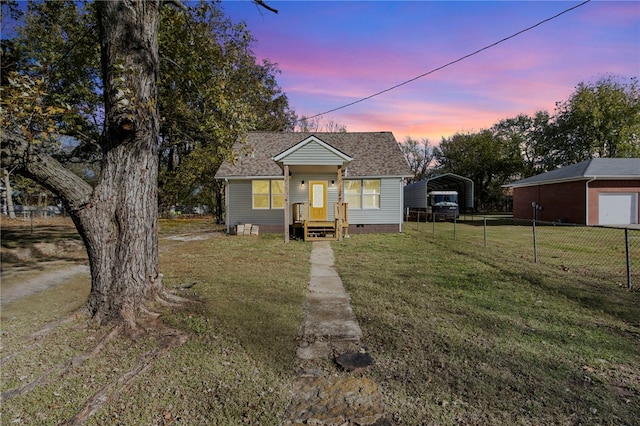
(371,194)
(362,194)
(267,194)
(277,194)
(352,194)
(260,191)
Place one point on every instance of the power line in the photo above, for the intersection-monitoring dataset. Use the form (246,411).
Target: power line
(449,63)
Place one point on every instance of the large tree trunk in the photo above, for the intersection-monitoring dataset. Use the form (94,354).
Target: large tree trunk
(121,223)
(118,219)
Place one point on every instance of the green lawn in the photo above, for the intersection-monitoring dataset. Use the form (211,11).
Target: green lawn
(460,334)
(464,334)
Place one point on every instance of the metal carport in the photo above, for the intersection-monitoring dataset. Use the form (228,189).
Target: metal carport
(415,194)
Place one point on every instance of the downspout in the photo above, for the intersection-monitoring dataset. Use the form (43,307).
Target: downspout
(226,203)
(586,200)
(401,204)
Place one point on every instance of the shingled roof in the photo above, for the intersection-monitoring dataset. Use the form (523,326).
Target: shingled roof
(374,153)
(598,168)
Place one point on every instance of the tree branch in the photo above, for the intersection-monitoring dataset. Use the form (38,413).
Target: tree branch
(176,3)
(266,6)
(16,151)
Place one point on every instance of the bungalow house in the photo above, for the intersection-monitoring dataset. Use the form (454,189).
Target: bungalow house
(316,185)
(600,191)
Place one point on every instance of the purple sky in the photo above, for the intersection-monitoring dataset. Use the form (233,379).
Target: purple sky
(332,53)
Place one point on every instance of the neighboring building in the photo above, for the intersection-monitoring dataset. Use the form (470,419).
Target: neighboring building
(600,191)
(302,179)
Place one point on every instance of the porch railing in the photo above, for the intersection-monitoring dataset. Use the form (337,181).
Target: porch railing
(300,212)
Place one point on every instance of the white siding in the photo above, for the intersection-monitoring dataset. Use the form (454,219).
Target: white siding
(313,154)
(390,211)
(240,206)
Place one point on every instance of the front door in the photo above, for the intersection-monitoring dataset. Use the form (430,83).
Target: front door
(318,200)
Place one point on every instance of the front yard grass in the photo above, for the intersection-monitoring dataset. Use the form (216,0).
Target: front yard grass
(459,333)
(236,367)
(463,334)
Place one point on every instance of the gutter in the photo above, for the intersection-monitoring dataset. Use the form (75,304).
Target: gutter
(586,200)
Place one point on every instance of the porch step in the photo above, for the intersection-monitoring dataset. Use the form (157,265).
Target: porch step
(320,231)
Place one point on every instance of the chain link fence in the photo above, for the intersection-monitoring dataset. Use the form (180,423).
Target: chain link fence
(610,254)
(28,212)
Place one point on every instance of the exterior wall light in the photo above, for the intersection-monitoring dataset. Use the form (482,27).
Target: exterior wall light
(303,184)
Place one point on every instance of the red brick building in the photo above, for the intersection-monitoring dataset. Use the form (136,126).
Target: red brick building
(600,191)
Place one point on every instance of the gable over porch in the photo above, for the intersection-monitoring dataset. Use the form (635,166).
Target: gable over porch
(311,157)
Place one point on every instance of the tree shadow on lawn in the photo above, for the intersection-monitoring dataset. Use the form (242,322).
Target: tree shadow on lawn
(36,250)
(595,296)
(24,236)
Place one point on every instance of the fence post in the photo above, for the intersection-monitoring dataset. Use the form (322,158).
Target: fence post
(484,225)
(535,244)
(433,219)
(626,245)
(454,228)
(418,221)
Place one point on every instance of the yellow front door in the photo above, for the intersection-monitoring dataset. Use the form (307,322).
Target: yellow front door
(317,200)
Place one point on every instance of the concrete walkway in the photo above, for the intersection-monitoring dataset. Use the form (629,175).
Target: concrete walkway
(329,324)
(324,393)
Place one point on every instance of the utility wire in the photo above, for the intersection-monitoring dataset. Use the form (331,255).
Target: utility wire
(447,64)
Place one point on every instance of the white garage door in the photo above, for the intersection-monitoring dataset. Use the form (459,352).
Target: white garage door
(618,209)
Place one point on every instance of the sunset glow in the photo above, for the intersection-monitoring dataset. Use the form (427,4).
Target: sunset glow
(332,53)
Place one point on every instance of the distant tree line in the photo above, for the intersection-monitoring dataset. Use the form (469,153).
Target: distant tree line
(600,119)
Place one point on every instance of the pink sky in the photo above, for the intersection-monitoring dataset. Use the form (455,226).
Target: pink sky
(332,53)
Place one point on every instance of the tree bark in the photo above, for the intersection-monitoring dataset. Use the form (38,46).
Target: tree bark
(122,219)
(8,194)
(118,219)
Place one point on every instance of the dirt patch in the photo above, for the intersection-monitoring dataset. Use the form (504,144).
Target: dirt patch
(38,256)
(194,237)
(16,287)
(49,253)
(42,251)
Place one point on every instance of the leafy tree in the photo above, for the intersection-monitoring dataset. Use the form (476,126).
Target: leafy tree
(212,90)
(420,156)
(598,120)
(59,45)
(527,138)
(481,157)
(117,218)
(23,106)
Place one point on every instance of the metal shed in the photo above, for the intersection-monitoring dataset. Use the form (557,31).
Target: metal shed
(415,194)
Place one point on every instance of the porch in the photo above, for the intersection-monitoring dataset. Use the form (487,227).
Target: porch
(316,230)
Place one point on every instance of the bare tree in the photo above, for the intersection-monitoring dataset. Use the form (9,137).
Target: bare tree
(315,124)
(419,155)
